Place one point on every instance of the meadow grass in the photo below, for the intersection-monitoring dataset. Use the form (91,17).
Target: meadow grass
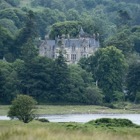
(4,109)
(15,130)
(75,109)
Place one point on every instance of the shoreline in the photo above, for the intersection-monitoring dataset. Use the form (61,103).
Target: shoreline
(76,109)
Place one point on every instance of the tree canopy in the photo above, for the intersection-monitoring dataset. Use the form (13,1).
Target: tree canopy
(23,25)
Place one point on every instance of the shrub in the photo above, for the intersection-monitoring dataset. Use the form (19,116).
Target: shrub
(22,108)
(112,122)
(43,120)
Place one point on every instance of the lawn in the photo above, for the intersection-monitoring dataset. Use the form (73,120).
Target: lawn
(15,130)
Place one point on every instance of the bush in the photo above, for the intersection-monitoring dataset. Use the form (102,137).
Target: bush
(23,108)
(112,122)
(43,120)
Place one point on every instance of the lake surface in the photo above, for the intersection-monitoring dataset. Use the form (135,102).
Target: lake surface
(135,118)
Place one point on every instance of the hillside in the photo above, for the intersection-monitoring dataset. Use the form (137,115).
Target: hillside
(114,67)
(103,15)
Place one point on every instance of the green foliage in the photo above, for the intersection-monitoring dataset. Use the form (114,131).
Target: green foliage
(112,122)
(108,67)
(60,79)
(13,2)
(28,51)
(68,27)
(72,15)
(127,40)
(16,15)
(35,78)
(94,96)
(124,17)
(78,81)
(9,25)
(122,41)
(43,120)
(117,23)
(22,108)
(9,82)
(25,40)
(5,42)
(47,18)
(119,96)
(133,82)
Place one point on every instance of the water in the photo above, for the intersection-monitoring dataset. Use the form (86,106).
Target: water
(135,118)
(4,118)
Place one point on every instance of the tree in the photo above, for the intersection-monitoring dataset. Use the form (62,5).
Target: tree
(60,79)
(133,82)
(26,37)
(79,81)
(6,41)
(23,108)
(2,82)
(35,78)
(8,82)
(67,27)
(94,96)
(72,14)
(108,67)
(29,51)
(13,2)
(122,40)
(124,18)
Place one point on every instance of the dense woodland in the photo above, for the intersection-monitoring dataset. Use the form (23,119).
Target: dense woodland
(112,74)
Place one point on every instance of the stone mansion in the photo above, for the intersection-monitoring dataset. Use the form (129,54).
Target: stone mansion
(73,48)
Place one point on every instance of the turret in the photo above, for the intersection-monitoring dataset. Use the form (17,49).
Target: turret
(98,36)
(68,36)
(81,33)
(46,37)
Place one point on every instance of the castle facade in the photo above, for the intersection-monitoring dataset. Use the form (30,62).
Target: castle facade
(73,48)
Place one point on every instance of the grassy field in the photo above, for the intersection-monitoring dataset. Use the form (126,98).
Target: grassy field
(76,109)
(15,130)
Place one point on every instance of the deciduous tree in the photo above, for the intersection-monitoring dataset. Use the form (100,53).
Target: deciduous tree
(23,108)
(108,67)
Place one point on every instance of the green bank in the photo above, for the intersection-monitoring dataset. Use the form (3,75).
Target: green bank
(79,109)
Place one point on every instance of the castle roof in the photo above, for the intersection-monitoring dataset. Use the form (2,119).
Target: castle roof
(51,42)
(74,42)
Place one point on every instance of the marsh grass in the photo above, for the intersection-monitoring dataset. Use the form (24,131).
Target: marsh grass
(15,130)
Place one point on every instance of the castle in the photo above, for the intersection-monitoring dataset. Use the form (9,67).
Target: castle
(73,48)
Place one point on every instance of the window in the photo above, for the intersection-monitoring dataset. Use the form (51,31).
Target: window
(84,49)
(73,57)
